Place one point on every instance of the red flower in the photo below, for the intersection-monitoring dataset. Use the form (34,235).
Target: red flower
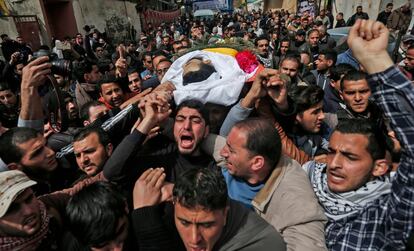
(247,61)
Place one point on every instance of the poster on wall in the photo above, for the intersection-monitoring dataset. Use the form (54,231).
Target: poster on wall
(209,4)
(306,6)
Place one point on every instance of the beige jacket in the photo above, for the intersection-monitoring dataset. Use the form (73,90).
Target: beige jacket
(288,202)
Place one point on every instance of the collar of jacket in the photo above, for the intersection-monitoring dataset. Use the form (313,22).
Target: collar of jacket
(263,197)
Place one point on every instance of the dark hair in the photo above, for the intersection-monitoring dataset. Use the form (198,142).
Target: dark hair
(389,4)
(163,60)
(338,71)
(353,75)
(330,54)
(147,54)
(201,74)
(285,39)
(262,37)
(262,139)
(85,132)
(312,31)
(197,105)
(84,111)
(376,139)
(44,47)
(306,97)
(2,36)
(341,13)
(9,141)
(290,57)
(83,68)
(94,213)
(319,23)
(201,187)
(133,70)
(106,79)
(4,86)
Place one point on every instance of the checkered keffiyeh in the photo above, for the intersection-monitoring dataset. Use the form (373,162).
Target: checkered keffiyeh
(387,222)
(31,242)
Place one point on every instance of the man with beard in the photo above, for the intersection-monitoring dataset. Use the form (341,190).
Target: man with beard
(312,45)
(408,68)
(259,176)
(332,100)
(325,40)
(27,222)
(92,148)
(9,106)
(191,127)
(356,93)
(400,19)
(299,40)
(263,55)
(368,209)
(326,60)
(25,149)
(12,71)
(383,15)
(88,75)
(204,216)
(358,15)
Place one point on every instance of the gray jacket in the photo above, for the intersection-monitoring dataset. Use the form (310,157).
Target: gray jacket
(288,202)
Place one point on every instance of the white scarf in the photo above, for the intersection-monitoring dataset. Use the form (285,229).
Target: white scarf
(341,205)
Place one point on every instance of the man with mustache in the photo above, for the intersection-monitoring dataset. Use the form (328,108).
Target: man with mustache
(28,222)
(368,209)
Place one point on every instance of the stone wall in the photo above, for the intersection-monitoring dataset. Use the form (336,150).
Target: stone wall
(118,18)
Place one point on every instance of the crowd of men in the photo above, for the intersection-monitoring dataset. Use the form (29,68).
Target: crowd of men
(156,146)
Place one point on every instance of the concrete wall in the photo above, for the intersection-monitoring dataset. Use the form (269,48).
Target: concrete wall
(7,26)
(25,7)
(114,17)
(372,7)
(349,7)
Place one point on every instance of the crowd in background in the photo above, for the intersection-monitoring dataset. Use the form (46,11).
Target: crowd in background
(247,131)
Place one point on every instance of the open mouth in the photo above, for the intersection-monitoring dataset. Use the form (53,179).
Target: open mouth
(187,141)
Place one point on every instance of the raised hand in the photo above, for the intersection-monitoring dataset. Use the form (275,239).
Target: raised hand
(121,66)
(147,189)
(35,73)
(368,41)
(277,90)
(155,109)
(14,58)
(257,90)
